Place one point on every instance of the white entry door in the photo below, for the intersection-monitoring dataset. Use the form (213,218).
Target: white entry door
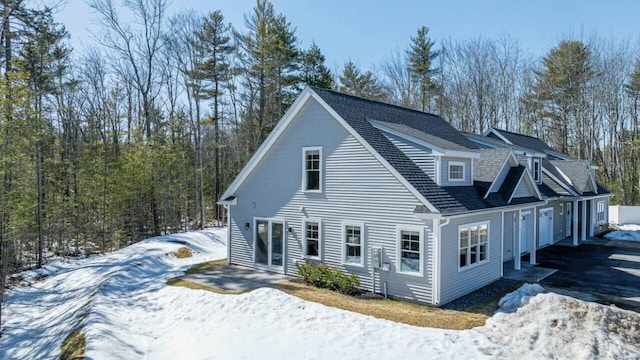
(525,231)
(545,221)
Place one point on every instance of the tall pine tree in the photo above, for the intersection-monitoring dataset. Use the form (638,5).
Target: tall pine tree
(421,60)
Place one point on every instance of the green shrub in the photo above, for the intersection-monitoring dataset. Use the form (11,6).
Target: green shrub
(322,276)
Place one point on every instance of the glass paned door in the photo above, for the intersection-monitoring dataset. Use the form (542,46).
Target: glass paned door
(269,243)
(262,242)
(276,243)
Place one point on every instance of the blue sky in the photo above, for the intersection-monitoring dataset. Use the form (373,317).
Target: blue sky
(366,31)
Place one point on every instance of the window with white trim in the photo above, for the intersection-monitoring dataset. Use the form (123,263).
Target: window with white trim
(312,239)
(473,240)
(601,211)
(312,169)
(456,171)
(410,251)
(536,171)
(353,244)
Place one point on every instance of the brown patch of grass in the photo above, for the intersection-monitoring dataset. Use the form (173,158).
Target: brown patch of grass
(74,346)
(182,253)
(178,281)
(394,310)
(207,266)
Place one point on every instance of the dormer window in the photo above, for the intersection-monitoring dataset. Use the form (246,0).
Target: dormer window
(456,171)
(537,176)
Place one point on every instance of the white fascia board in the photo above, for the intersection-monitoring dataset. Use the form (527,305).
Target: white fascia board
(564,186)
(436,150)
(564,175)
(505,163)
(379,157)
(269,142)
(559,155)
(497,133)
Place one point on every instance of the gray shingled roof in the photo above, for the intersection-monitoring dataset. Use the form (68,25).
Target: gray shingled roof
(361,113)
(494,142)
(550,188)
(529,142)
(576,170)
(487,167)
(426,137)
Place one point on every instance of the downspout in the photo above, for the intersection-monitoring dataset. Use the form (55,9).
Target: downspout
(437,247)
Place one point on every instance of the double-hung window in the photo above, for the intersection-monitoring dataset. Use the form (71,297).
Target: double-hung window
(456,171)
(473,242)
(312,169)
(353,244)
(410,248)
(312,239)
(601,212)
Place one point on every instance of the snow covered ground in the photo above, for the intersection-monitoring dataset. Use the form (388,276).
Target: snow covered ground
(127,312)
(625,232)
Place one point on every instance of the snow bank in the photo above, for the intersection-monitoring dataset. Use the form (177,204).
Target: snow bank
(128,312)
(513,300)
(626,233)
(557,326)
(39,316)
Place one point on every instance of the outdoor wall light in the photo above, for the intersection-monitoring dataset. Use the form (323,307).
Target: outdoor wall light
(246,226)
(290,230)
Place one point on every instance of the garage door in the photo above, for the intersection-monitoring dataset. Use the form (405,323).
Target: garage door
(545,221)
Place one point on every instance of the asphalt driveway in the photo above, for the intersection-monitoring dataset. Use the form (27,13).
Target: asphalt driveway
(610,272)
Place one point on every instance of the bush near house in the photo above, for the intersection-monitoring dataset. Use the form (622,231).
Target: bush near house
(322,276)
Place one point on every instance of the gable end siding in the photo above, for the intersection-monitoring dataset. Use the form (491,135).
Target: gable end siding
(356,188)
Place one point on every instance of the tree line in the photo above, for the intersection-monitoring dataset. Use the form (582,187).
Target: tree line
(139,133)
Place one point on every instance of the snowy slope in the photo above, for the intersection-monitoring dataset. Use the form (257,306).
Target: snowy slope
(132,314)
(625,232)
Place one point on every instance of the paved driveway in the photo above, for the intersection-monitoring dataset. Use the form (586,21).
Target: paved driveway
(610,272)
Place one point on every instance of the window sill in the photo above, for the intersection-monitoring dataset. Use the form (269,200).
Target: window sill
(315,258)
(473,266)
(312,191)
(358,265)
(409,273)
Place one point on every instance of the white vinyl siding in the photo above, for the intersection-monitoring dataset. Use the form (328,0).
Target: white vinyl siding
(410,250)
(312,235)
(312,169)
